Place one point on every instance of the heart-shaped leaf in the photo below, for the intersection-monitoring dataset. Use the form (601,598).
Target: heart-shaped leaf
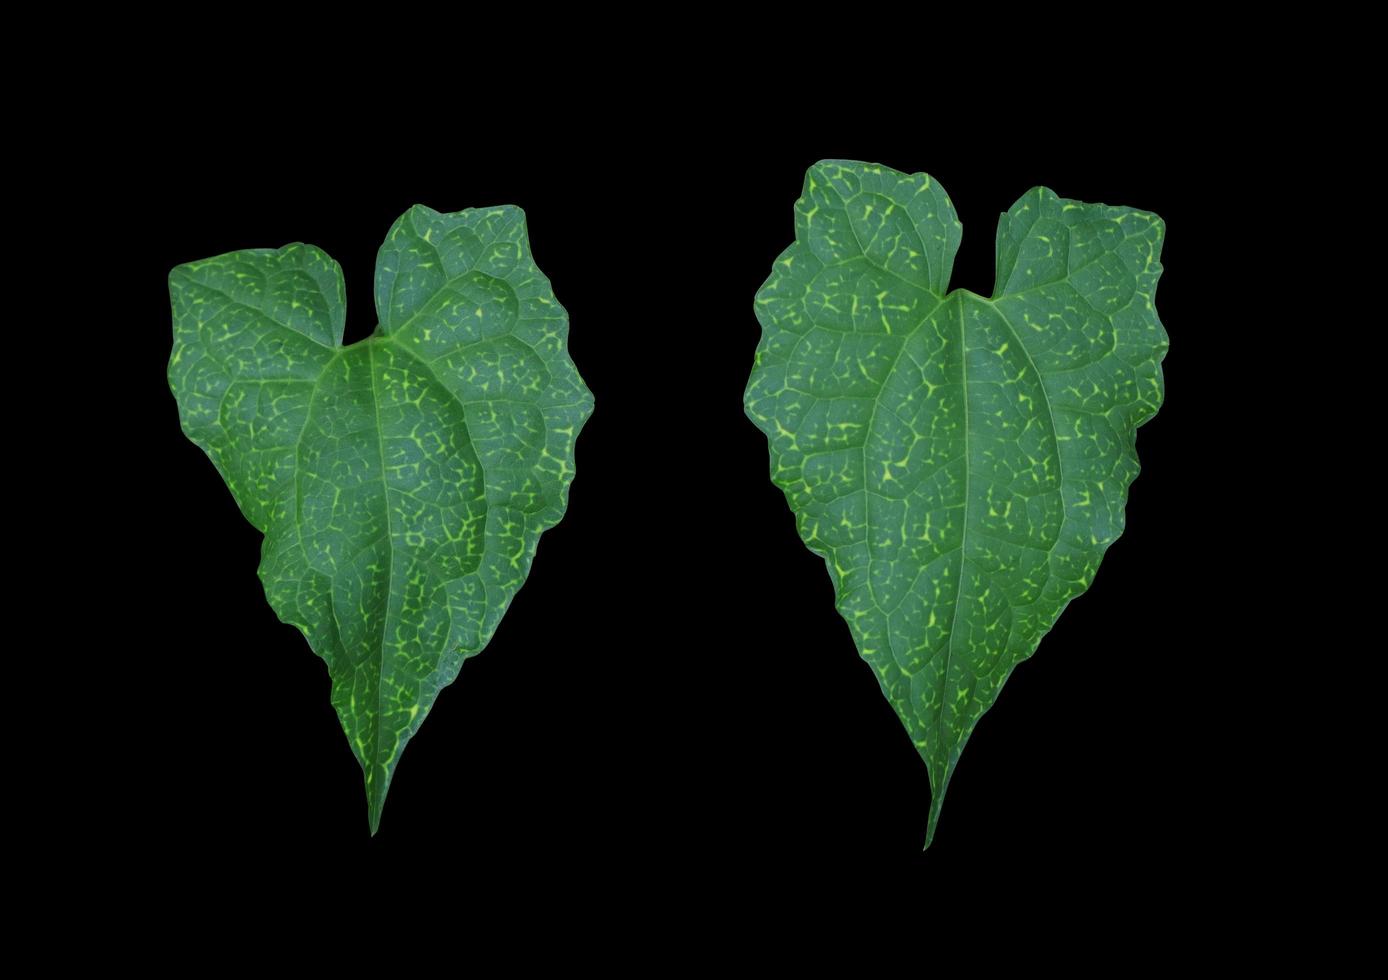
(960,463)
(402,483)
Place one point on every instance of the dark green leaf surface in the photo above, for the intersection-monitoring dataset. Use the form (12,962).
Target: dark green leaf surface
(960,463)
(402,483)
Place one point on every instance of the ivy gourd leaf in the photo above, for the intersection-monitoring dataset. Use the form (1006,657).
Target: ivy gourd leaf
(960,463)
(402,483)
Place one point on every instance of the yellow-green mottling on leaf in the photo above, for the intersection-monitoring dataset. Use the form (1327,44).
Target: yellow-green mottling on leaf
(402,483)
(961,463)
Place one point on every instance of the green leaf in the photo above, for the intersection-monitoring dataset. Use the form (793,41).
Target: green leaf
(402,483)
(960,463)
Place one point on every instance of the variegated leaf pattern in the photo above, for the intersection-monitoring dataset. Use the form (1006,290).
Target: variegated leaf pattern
(960,462)
(402,483)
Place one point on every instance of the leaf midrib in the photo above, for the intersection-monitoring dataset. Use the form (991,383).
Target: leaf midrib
(963,525)
(390,567)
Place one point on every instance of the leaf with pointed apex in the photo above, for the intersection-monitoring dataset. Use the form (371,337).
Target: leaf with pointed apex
(960,463)
(402,483)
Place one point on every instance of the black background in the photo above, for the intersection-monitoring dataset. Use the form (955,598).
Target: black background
(672,686)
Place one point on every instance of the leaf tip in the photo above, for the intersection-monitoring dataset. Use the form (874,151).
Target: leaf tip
(937,792)
(374,806)
(936,802)
(376,802)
